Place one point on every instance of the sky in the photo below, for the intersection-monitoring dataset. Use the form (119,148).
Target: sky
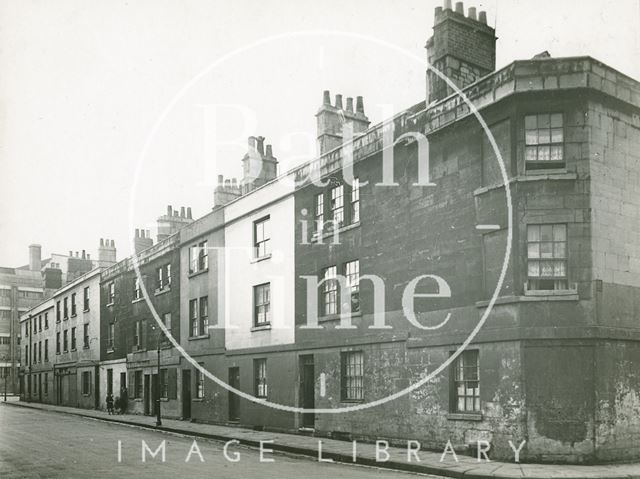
(87,86)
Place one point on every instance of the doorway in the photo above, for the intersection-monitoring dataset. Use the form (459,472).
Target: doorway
(147,394)
(186,394)
(234,399)
(307,390)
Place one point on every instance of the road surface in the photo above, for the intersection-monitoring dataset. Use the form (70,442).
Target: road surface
(43,444)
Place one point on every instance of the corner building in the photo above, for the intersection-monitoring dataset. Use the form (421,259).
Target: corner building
(552,364)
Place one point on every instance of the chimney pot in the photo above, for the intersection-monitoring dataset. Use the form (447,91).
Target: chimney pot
(359,105)
(183,213)
(326,98)
(169,213)
(88,256)
(438,12)
(101,242)
(137,233)
(447,5)
(338,104)
(84,254)
(269,152)
(472,13)
(189,213)
(252,142)
(176,214)
(77,254)
(260,141)
(482,17)
(70,254)
(460,7)
(148,234)
(113,244)
(227,183)
(220,179)
(234,181)
(349,103)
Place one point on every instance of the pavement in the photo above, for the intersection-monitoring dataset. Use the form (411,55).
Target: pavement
(341,451)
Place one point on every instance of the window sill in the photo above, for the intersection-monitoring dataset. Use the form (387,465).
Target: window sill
(85,347)
(535,175)
(352,401)
(109,351)
(197,273)
(261,327)
(201,336)
(316,238)
(137,300)
(197,399)
(551,292)
(86,310)
(464,416)
(164,399)
(338,316)
(159,292)
(261,258)
(74,315)
(108,305)
(564,295)
(73,350)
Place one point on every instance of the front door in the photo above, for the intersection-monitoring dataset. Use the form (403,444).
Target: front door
(186,394)
(234,399)
(307,389)
(154,393)
(147,394)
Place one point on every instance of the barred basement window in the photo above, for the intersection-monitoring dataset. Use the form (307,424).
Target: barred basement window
(547,257)
(330,291)
(337,206)
(352,377)
(261,238)
(544,141)
(86,383)
(260,377)
(262,304)
(466,383)
(352,274)
(355,201)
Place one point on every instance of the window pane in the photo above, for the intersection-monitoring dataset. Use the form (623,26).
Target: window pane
(533,270)
(546,250)
(544,153)
(533,250)
(546,268)
(556,120)
(532,153)
(544,136)
(531,137)
(559,232)
(556,153)
(559,269)
(559,250)
(546,232)
(530,122)
(533,232)
(556,135)
(544,120)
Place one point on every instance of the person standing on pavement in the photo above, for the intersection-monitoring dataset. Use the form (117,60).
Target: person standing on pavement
(110,403)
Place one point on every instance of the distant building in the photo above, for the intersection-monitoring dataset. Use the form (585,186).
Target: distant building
(61,346)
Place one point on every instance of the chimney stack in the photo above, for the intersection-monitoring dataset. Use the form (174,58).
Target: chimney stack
(225,192)
(258,168)
(142,241)
(35,257)
(106,253)
(448,49)
(330,120)
(170,223)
